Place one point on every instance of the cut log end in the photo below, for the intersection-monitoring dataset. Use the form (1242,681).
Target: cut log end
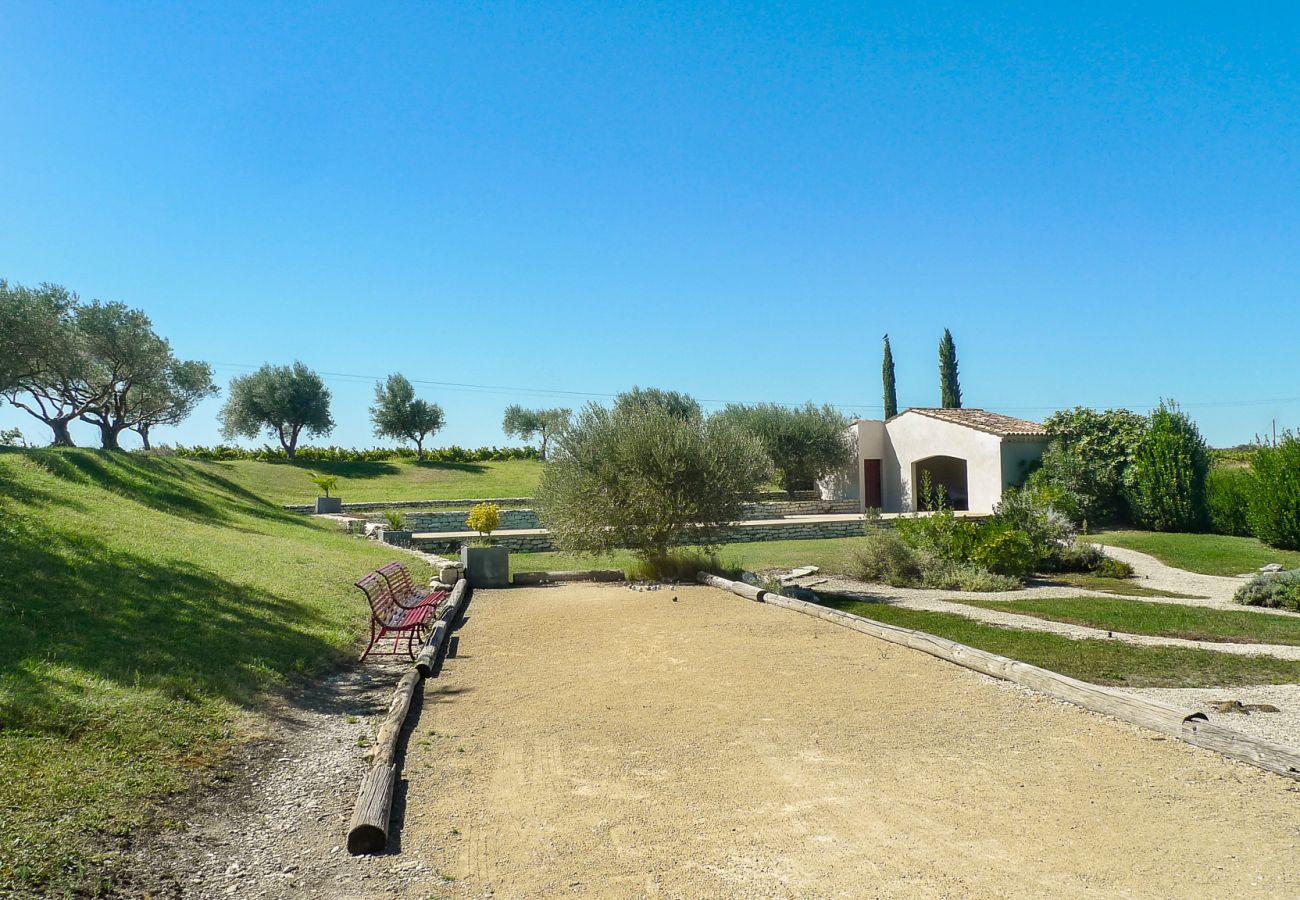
(367,840)
(369,830)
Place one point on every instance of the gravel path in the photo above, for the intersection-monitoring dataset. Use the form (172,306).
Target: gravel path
(1281,727)
(689,743)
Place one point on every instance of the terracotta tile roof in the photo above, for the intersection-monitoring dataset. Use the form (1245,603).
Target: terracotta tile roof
(983,420)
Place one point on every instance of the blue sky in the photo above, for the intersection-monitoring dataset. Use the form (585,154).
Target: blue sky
(732,200)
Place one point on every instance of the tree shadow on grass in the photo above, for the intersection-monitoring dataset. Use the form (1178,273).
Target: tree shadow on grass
(70,600)
(468,468)
(342,468)
(160,484)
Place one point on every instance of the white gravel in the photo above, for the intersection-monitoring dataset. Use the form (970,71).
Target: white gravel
(1282,727)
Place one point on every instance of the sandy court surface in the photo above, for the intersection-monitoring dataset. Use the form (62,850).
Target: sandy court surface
(596,741)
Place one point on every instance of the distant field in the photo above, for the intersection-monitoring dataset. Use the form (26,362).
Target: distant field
(366,482)
(1209,554)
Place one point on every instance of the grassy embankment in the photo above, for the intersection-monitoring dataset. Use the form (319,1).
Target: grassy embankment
(1098,661)
(146,606)
(1209,554)
(367,482)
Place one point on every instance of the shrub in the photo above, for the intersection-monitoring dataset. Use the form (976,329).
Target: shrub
(484,518)
(1275,590)
(1085,464)
(1166,481)
(1033,511)
(395,519)
(1227,500)
(1274,506)
(952,575)
(1005,550)
(682,564)
(640,477)
(884,557)
(1109,567)
(940,532)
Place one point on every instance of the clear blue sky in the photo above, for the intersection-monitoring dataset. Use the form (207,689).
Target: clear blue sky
(731,200)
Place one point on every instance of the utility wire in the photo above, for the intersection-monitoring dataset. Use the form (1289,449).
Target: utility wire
(514,390)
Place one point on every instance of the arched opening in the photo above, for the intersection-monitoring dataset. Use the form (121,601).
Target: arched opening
(945,474)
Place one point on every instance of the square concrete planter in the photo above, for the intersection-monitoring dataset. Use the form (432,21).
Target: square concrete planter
(399,538)
(486,567)
(329,505)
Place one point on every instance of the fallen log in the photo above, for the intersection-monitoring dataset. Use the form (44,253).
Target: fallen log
(739,588)
(1186,725)
(368,832)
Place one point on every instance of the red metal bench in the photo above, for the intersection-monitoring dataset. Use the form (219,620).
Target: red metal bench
(388,617)
(404,591)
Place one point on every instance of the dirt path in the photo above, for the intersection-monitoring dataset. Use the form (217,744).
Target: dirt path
(595,741)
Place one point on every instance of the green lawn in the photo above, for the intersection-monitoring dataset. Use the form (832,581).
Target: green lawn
(823,552)
(1161,619)
(1210,554)
(144,604)
(1100,661)
(366,482)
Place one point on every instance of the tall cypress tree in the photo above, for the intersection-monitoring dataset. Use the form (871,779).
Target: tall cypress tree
(949,389)
(887,373)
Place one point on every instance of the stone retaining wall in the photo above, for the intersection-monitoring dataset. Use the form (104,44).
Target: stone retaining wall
(775,509)
(736,534)
(455,520)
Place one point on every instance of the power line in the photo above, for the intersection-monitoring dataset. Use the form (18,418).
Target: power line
(515,390)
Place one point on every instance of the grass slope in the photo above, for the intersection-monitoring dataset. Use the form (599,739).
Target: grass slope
(365,482)
(1161,619)
(144,603)
(1101,662)
(1209,554)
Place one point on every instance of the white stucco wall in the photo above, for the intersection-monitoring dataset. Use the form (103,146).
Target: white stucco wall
(1018,457)
(913,437)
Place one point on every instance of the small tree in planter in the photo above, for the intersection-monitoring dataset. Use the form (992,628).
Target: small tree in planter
(327,504)
(485,565)
(396,532)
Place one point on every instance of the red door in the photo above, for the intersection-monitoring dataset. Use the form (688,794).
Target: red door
(871,483)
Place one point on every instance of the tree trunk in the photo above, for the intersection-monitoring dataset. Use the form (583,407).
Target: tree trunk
(62,437)
(543,446)
(108,436)
(143,431)
(419,449)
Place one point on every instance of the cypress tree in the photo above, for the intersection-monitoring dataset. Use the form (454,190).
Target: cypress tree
(949,389)
(891,390)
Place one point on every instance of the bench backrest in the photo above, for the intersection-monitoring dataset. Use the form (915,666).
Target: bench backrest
(399,580)
(379,596)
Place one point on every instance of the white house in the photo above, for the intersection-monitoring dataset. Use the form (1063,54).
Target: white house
(972,455)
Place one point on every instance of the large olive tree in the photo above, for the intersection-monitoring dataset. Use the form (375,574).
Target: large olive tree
(805,443)
(545,424)
(641,477)
(283,401)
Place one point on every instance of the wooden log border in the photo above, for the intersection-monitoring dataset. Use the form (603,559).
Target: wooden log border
(1186,725)
(368,831)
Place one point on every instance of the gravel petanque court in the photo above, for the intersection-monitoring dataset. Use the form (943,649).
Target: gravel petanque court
(594,740)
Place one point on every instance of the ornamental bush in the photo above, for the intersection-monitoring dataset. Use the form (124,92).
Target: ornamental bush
(484,518)
(1166,480)
(1274,504)
(1227,500)
(1275,590)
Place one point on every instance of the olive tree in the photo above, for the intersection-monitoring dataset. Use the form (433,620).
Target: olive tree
(675,403)
(527,423)
(283,401)
(805,444)
(1084,466)
(170,398)
(642,478)
(125,359)
(399,414)
(43,363)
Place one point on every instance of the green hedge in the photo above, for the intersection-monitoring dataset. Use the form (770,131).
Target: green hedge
(453,454)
